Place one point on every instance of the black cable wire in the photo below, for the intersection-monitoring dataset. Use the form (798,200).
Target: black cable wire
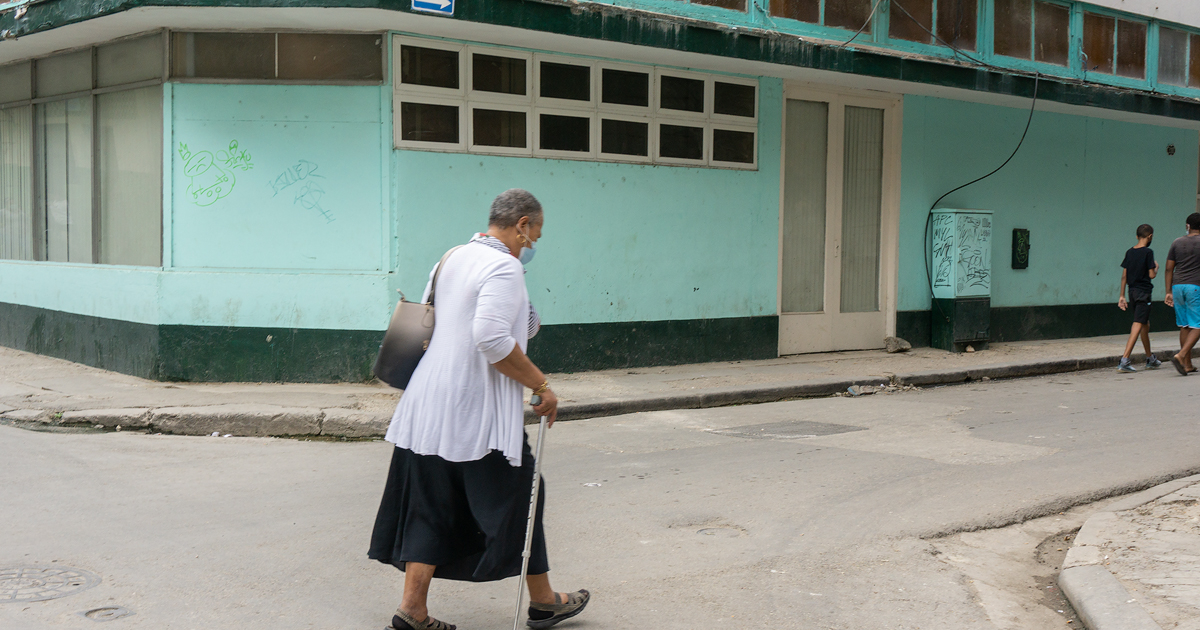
(864,25)
(928,238)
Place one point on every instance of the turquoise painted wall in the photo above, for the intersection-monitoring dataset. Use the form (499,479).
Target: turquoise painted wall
(1081,186)
(622,242)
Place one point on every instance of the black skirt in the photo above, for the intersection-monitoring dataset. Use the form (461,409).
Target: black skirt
(466,518)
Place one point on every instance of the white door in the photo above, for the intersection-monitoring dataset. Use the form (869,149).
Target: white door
(837,221)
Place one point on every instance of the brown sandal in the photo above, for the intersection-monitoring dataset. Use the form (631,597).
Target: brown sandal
(404,621)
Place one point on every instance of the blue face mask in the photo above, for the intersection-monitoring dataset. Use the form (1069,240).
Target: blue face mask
(527,252)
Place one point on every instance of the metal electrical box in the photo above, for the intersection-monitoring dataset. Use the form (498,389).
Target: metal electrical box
(961,278)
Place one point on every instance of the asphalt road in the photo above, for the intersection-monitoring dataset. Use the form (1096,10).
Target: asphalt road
(805,514)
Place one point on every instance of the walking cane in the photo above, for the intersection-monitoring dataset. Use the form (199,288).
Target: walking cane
(535,400)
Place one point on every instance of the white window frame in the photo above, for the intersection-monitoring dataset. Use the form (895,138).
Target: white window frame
(653,115)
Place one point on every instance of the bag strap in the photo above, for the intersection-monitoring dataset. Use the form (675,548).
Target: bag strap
(437,272)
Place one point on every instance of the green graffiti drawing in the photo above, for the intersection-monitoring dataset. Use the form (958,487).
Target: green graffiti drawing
(211,177)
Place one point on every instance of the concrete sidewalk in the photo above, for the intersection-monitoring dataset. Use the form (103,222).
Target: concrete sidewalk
(51,392)
(1136,565)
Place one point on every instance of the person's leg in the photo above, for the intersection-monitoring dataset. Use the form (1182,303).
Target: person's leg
(417,577)
(1134,332)
(540,590)
(1185,353)
(1146,340)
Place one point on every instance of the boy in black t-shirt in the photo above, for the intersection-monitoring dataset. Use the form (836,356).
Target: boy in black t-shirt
(1138,268)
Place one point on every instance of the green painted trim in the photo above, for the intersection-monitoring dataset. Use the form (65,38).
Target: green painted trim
(305,355)
(604,346)
(1031,323)
(623,25)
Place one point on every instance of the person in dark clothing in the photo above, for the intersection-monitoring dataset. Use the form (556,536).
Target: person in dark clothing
(1138,268)
(1183,291)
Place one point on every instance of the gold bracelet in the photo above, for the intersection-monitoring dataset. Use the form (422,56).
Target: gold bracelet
(541,389)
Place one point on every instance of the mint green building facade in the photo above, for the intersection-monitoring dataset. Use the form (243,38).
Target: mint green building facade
(292,210)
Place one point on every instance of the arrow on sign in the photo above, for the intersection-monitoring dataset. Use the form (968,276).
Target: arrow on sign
(434,6)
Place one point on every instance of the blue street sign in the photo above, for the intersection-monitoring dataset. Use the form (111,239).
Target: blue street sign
(444,7)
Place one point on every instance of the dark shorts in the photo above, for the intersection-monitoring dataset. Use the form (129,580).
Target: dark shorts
(1140,301)
(467,518)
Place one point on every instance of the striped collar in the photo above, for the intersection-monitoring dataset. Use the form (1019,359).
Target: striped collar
(491,241)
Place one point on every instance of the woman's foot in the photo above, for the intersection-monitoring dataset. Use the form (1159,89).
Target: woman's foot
(566,605)
(404,621)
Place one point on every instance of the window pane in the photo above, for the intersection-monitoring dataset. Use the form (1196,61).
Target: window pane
(850,14)
(676,141)
(421,122)
(956,22)
(129,170)
(329,57)
(16,82)
(803,10)
(682,94)
(862,209)
(502,75)
(1194,62)
(1098,42)
(736,5)
(129,61)
(733,146)
(16,184)
(560,80)
(429,66)
(624,137)
(1131,49)
(79,180)
(223,55)
(1052,35)
(1013,28)
(497,128)
(52,171)
(65,160)
(565,133)
(901,26)
(64,74)
(1172,56)
(732,99)
(625,88)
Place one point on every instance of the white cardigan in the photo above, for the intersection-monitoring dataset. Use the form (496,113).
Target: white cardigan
(457,406)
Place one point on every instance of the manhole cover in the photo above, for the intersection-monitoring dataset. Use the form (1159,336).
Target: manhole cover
(35,584)
(107,613)
(789,430)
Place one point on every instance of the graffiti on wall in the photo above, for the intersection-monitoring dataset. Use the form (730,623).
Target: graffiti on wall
(211,175)
(943,244)
(974,255)
(308,191)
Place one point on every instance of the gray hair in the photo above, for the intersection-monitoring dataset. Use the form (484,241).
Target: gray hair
(512,204)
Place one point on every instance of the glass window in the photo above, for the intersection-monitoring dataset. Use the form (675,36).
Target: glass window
(1014,23)
(1099,42)
(498,128)
(502,75)
(129,61)
(422,122)
(16,82)
(733,99)
(16,184)
(65,178)
(733,146)
(1194,62)
(624,137)
(802,10)
(848,14)
(1172,56)
(901,26)
(1131,49)
(1051,33)
(223,55)
(678,141)
(129,170)
(565,133)
(621,87)
(566,81)
(430,67)
(330,57)
(956,22)
(64,74)
(736,5)
(681,94)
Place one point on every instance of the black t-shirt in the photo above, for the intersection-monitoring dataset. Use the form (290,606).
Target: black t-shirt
(1138,263)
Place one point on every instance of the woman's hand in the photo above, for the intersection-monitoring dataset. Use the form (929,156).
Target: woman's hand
(549,407)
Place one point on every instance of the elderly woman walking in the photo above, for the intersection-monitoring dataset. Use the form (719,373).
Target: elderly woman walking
(456,499)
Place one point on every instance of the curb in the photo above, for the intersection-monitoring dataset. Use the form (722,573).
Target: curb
(1099,598)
